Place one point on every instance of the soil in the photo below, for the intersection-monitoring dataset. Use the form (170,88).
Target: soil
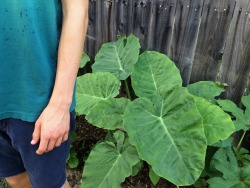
(87,137)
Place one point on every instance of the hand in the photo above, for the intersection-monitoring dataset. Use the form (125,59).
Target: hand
(51,128)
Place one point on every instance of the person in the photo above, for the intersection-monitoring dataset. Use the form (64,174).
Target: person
(41,47)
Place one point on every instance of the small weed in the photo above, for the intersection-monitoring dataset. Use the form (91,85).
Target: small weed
(4,184)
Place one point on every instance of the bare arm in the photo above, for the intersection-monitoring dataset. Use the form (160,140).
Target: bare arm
(52,127)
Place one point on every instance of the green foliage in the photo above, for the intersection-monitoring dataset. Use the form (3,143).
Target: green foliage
(153,177)
(92,88)
(4,184)
(217,124)
(110,163)
(168,127)
(206,89)
(118,57)
(242,121)
(153,71)
(108,113)
(201,183)
(224,143)
(230,167)
(242,156)
(233,176)
(85,59)
(160,131)
(137,168)
(72,159)
(246,101)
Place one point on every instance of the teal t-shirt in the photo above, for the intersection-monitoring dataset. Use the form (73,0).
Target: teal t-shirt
(30,33)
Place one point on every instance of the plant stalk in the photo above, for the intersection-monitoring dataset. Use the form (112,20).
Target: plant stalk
(240,142)
(127,90)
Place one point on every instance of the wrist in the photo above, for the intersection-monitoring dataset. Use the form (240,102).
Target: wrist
(62,102)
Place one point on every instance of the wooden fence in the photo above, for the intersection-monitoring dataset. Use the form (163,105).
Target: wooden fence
(207,39)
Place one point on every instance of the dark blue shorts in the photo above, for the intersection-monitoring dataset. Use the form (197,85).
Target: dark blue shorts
(17,155)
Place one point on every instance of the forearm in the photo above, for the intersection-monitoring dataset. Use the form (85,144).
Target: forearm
(75,23)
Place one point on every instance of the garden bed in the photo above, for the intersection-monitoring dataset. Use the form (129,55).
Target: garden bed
(87,137)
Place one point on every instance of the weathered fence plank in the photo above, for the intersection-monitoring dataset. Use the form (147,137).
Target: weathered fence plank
(90,42)
(114,24)
(98,30)
(123,14)
(187,19)
(235,66)
(105,20)
(131,10)
(98,23)
(165,13)
(141,20)
(213,32)
(149,43)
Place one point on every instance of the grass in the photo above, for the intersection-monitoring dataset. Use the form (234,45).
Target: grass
(3,184)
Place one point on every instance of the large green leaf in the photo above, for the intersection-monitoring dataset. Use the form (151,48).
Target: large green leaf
(85,59)
(153,177)
(242,156)
(92,88)
(242,122)
(137,168)
(72,160)
(108,114)
(206,89)
(217,124)
(107,166)
(152,71)
(246,101)
(224,143)
(233,176)
(118,57)
(168,134)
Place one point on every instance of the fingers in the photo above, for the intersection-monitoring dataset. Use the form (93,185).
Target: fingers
(56,143)
(43,145)
(66,136)
(36,133)
(49,143)
(62,139)
(59,141)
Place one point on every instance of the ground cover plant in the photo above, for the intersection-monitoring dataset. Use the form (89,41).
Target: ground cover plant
(72,159)
(167,125)
(230,165)
(227,163)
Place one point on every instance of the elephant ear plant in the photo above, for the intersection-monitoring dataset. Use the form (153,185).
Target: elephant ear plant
(226,166)
(229,167)
(164,125)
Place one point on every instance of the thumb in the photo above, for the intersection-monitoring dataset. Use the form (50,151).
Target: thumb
(36,133)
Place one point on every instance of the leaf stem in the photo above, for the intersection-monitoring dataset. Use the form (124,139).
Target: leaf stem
(127,90)
(240,142)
